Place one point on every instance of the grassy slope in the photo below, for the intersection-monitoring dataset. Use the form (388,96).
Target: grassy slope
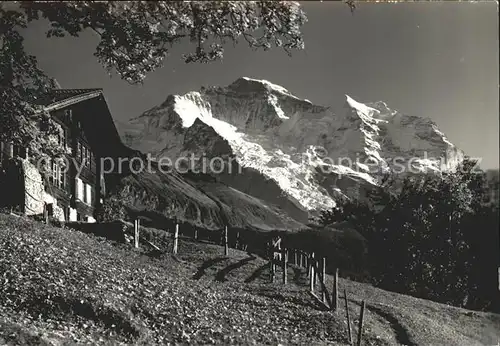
(61,286)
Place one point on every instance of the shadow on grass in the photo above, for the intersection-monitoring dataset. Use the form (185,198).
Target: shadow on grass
(207,264)
(400,332)
(221,275)
(257,273)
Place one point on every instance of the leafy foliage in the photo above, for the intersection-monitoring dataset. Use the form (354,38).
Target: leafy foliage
(22,122)
(111,209)
(135,37)
(433,238)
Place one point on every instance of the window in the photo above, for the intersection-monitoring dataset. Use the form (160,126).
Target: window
(79,152)
(62,138)
(83,154)
(62,177)
(87,157)
(57,175)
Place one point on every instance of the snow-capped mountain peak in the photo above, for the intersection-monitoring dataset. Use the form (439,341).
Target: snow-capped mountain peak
(312,154)
(360,108)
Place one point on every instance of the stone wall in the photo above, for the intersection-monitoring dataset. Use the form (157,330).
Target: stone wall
(35,196)
(33,189)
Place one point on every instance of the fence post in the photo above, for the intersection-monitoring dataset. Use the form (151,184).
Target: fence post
(136,233)
(323,272)
(308,265)
(349,332)
(335,291)
(315,274)
(312,274)
(176,239)
(284,260)
(271,262)
(360,329)
(226,248)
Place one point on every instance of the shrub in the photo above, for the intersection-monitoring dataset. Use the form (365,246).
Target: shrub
(433,239)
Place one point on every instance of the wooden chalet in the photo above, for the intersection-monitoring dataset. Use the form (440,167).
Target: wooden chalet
(71,194)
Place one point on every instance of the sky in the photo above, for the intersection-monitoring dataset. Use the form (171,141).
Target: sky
(430,59)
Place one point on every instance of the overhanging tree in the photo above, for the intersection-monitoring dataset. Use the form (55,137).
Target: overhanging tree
(135,38)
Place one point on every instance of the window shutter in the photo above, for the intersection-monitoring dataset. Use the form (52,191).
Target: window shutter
(80,189)
(88,193)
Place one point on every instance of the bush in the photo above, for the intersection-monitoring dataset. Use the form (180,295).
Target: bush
(436,239)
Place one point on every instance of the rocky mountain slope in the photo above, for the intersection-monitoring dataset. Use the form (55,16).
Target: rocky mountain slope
(197,199)
(286,150)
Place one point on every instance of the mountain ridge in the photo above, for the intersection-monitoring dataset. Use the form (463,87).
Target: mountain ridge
(293,142)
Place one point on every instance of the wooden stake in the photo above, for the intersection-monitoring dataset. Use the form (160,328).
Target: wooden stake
(324,290)
(226,247)
(311,273)
(349,332)
(335,290)
(323,276)
(284,264)
(319,300)
(271,263)
(176,239)
(360,329)
(315,272)
(136,234)
(152,245)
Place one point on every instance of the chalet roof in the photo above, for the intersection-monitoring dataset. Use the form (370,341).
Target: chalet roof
(104,139)
(63,97)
